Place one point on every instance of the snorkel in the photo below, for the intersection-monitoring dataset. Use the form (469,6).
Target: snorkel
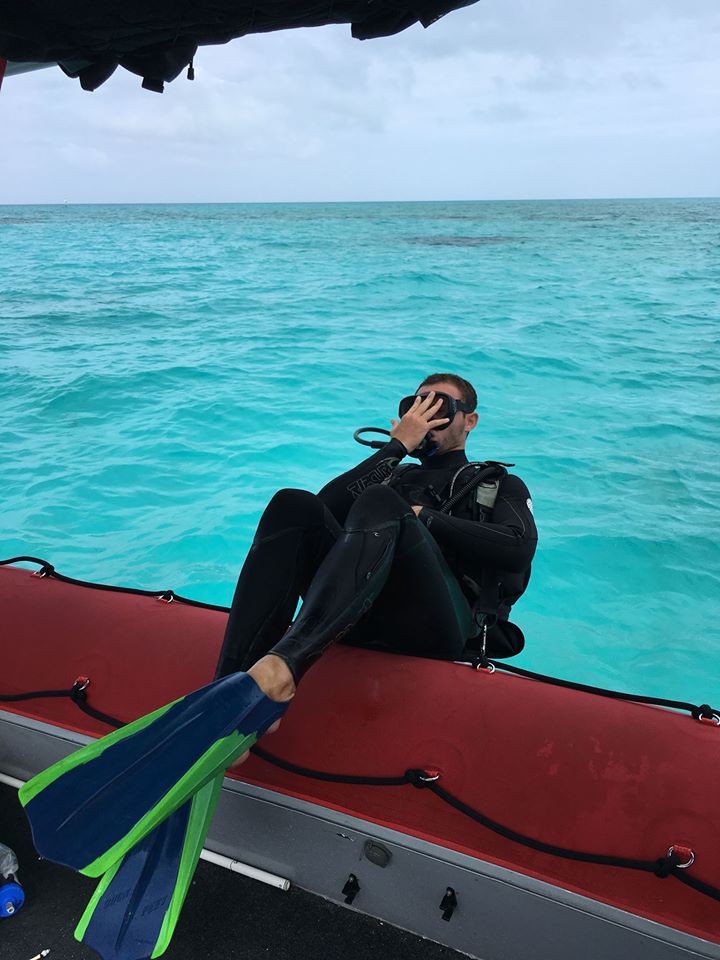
(426,448)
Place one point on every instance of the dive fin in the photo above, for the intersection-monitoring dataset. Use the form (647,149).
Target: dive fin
(88,810)
(133,913)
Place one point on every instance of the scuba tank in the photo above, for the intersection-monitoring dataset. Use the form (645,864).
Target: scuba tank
(12,895)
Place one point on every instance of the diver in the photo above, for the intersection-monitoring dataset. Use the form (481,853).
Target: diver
(423,559)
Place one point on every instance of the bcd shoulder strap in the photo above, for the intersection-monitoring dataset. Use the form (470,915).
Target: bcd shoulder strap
(485,482)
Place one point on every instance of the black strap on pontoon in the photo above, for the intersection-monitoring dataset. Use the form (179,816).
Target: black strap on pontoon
(77,693)
(48,570)
(669,865)
(702,712)
(363,781)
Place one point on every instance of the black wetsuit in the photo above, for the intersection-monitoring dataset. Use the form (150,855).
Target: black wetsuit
(372,573)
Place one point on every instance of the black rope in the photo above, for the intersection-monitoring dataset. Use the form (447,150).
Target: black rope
(36,694)
(77,693)
(704,711)
(662,867)
(330,777)
(696,884)
(541,846)
(48,570)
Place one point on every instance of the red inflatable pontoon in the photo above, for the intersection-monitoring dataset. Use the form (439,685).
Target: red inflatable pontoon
(563,767)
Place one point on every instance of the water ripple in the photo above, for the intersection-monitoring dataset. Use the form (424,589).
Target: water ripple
(165,368)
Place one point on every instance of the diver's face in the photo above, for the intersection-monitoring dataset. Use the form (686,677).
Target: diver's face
(454,436)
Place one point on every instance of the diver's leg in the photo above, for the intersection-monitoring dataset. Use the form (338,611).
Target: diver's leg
(294,534)
(421,610)
(381,530)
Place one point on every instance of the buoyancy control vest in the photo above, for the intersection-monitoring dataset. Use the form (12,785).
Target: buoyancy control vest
(470,493)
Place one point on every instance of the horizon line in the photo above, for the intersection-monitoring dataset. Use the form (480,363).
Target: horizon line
(168,203)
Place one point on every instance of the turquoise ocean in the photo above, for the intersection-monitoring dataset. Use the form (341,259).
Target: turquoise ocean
(164,369)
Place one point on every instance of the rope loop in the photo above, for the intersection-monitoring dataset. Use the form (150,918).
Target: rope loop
(78,693)
(677,858)
(686,853)
(664,867)
(705,714)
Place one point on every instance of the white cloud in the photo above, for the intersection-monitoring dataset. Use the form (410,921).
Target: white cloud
(82,157)
(506,98)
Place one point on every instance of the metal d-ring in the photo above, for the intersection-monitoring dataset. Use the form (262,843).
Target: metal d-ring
(682,866)
(714,719)
(428,777)
(488,668)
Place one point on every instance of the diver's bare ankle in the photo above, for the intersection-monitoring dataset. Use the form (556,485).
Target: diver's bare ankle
(274,678)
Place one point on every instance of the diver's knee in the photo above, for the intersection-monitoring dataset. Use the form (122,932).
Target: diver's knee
(289,504)
(291,495)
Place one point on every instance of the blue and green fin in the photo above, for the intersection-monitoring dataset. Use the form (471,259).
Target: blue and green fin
(90,809)
(136,906)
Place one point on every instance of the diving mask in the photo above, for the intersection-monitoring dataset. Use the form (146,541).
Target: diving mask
(448,408)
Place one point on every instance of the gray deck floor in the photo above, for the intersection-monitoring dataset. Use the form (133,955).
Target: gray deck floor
(226,916)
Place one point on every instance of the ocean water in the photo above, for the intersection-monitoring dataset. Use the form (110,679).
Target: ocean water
(164,369)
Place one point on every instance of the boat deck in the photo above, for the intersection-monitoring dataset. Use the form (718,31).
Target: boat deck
(225,916)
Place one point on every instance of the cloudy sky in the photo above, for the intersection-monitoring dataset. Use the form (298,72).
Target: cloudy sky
(504,99)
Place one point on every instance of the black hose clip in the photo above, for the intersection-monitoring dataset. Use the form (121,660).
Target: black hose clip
(46,570)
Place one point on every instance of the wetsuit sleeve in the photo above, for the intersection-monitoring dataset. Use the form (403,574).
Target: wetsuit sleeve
(507,541)
(338,495)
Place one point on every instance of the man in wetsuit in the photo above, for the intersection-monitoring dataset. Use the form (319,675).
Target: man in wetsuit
(425,560)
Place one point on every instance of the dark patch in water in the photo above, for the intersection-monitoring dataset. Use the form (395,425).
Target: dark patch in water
(4,221)
(439,241)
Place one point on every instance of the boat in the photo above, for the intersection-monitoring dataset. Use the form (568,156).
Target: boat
(501,815)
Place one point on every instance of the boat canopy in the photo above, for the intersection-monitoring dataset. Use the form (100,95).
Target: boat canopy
(157,39)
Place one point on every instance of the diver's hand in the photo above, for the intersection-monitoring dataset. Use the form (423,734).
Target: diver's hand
(417,422)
